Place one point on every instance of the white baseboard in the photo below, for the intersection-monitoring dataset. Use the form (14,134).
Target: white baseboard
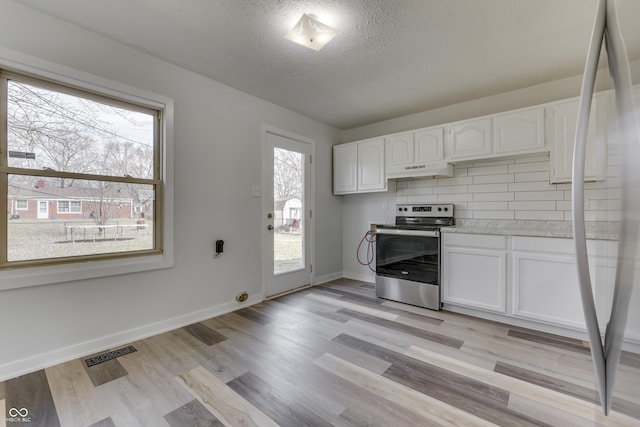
(631,342)
(363,277)
(76,351)
(327,278)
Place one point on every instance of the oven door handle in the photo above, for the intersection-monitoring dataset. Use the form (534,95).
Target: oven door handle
(399,232)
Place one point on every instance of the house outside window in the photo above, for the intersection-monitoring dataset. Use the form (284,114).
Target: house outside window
(96,154)
(22,205)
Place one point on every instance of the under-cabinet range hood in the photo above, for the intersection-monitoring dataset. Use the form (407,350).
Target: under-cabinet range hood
(433,169)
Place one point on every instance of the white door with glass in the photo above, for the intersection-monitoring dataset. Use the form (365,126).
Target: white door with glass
(43,209)
(286,212)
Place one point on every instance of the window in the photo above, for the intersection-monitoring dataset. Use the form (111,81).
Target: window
(66,206)
(22,205)
(84,153)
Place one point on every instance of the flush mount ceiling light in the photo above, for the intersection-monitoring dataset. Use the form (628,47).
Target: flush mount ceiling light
(311,33)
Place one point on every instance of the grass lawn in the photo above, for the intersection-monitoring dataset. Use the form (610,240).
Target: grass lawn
(52,238)
(287,252)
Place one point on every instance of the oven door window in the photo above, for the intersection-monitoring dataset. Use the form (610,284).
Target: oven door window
(415,258)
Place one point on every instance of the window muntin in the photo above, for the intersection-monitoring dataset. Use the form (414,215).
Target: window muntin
(92,159)
(22,205)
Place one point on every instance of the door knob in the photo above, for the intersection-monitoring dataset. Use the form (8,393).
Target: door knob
(269,227)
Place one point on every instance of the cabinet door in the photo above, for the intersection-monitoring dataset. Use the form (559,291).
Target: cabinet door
(345,168)
(469,140)
(371,166)
(546,288)
(400,150)
(565,121)
(545,280)
(519,132)
(429,145)
(472,274)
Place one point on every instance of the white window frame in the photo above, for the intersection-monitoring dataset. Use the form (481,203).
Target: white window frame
(57,273)
(17,206)
(69,210)
(62,203)
(79,206)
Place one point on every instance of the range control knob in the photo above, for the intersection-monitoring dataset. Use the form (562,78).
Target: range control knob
(439,209)
(446,209)
(400,209)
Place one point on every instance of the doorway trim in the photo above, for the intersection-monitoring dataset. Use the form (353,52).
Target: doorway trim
(265,205)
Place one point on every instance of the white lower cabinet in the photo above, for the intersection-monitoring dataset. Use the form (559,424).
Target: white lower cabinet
(474,271)
(545,287)
(545,280)
(542,284)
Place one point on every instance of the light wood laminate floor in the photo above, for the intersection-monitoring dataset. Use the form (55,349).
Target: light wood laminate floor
(330,355)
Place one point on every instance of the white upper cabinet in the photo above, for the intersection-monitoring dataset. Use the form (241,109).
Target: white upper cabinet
(506,134)
(371,166)
(359,167)
(345,168)
(400,151)
(565,121)
(469,140)
(429,145)
(519,132)
(416,153)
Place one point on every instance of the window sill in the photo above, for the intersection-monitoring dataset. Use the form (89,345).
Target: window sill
(37,276)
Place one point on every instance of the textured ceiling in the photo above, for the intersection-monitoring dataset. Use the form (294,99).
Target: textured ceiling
(390,58)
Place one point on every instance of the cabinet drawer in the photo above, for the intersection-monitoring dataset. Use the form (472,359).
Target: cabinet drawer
(601,248)
(474,240)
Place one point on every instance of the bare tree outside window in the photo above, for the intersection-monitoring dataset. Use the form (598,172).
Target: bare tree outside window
(287,177)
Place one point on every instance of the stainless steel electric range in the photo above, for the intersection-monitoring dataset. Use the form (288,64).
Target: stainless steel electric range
(408,254)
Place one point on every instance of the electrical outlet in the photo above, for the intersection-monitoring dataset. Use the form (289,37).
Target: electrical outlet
(257,191)
(385,206)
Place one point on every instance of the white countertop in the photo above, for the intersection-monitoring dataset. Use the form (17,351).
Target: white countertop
(595,230)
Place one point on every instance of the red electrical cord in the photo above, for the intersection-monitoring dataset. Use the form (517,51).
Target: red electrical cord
(370,238)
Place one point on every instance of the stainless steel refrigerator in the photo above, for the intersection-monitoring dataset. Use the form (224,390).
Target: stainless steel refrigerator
(609,337)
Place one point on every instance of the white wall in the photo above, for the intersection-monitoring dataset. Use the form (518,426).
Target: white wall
(217,161)
(359,211)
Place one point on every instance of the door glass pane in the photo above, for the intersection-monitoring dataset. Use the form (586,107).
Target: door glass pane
(288,209)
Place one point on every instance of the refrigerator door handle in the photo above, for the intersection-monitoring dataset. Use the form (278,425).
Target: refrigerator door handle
(577,190)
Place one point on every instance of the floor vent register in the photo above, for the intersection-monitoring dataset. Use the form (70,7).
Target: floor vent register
(96,360)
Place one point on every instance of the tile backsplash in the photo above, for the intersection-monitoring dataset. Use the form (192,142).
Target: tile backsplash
(514,189)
